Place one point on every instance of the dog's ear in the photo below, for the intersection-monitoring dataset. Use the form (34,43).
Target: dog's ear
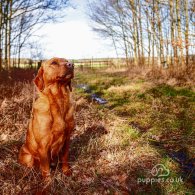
(39,79)
(70,86)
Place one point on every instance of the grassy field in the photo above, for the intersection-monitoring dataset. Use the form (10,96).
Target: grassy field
(115,146)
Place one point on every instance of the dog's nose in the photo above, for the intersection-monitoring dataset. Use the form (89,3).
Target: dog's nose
(70,65)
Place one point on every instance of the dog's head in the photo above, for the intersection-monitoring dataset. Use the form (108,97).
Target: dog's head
(54,70)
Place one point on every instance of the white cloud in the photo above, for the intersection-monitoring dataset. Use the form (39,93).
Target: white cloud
(73,38)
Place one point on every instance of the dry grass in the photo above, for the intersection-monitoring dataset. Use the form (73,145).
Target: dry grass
(99,161)
(108,153)
(174,76)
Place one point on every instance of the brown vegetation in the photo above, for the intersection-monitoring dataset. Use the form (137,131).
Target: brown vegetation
(110,146)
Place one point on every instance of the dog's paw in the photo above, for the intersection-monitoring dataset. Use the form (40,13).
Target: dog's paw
(66,170)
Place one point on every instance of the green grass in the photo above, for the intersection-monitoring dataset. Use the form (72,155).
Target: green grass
(169,91)
(161,113)
(113,145)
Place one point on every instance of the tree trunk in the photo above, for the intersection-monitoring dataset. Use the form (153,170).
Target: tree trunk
(153,30)
(124,41)
(149,40)
(6,35)
(173,40)
(1,23)
(141,32)
(135,33)
(160,35)
(137,29)
(186,33)
(9,35)
(179,40)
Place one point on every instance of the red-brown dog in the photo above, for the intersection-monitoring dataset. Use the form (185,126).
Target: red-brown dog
(52,118)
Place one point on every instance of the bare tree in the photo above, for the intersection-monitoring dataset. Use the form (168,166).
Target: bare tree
(152,28)
(19,19)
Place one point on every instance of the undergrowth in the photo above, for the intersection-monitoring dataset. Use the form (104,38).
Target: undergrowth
(113,146)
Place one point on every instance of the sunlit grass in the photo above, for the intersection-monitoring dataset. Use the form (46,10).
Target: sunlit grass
(151,112)
(113,144)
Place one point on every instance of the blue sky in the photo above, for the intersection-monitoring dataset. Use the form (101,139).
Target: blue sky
(73,38)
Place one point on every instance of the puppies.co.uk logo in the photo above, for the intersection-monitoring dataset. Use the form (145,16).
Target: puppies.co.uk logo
(160,170)
(160,174)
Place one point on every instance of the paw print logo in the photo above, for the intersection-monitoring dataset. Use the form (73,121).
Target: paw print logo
(160,170)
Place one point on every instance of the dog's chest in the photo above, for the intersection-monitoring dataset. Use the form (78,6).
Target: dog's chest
(63,107)
(59,109)
(61,96)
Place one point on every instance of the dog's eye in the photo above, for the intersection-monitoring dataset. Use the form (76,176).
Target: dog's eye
(54,63)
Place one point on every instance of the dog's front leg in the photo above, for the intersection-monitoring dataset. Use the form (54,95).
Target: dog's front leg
(65,166)
(44,162)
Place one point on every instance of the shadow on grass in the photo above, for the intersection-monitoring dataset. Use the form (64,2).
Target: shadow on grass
(173,119)
(14,178)
(174,111)
(167,90)
(81,141)
(118,102)
(114,181)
